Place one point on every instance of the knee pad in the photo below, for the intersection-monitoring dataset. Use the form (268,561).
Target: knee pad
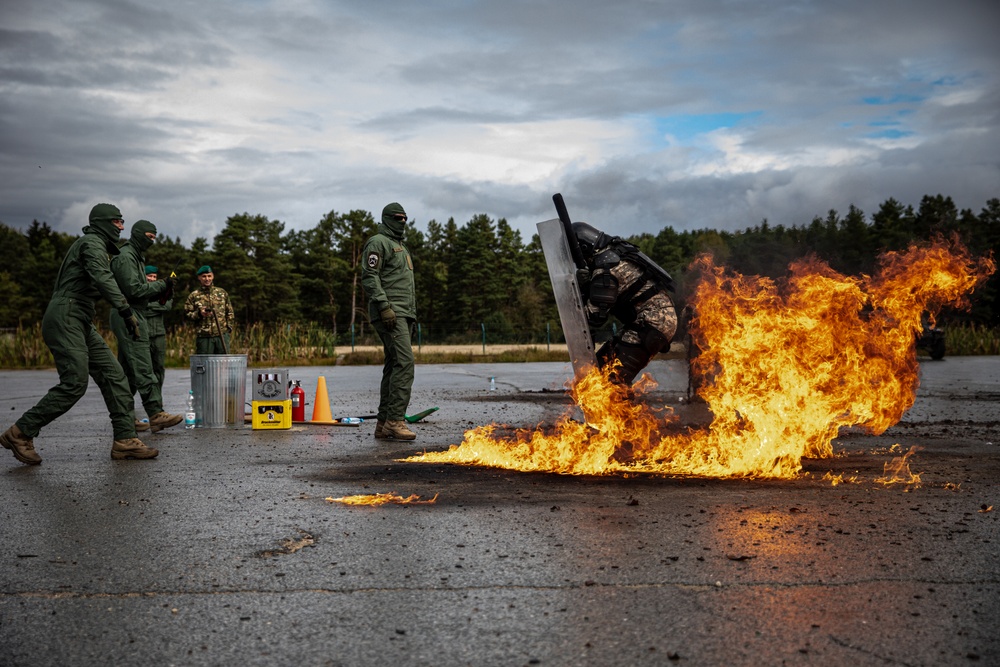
(632,358)
(653,341)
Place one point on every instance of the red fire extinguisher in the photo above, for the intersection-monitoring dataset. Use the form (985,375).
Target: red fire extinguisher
(298,403)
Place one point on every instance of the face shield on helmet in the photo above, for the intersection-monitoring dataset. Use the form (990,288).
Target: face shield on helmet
(590,239)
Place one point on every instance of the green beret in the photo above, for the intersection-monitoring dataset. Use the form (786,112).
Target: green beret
(150,269)
(204,269)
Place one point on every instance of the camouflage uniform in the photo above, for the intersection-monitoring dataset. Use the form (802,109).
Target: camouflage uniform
(623,282)
(653,312)
(210,340)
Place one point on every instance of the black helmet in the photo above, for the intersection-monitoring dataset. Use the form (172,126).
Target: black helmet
(590,239)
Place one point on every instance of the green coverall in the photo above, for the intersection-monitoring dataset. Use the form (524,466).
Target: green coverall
(158,337)
(133,354)
(68,329)
(387,277)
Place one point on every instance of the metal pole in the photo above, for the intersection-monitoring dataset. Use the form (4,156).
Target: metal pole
(225,348)
(483,325)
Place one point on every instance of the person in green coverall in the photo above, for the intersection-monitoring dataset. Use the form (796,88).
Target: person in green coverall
(133,353)
(78,349)
(387,277)
(157,330)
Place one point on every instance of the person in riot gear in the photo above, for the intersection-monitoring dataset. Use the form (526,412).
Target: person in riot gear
(622,281)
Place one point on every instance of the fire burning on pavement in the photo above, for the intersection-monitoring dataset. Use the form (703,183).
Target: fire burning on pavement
(375,499)
(783,366)
(897,471)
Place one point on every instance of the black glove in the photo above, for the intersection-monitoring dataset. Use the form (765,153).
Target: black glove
(388,317)
(583,279)
(167,295)
(597,318)
(131,322)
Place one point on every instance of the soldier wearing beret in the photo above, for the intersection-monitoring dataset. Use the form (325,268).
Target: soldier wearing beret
(208,307)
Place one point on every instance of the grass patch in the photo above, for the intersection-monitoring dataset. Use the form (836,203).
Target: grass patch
(514,356)
(290,345)
(971,339)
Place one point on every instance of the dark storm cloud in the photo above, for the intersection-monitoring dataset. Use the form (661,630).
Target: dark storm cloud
(690,113)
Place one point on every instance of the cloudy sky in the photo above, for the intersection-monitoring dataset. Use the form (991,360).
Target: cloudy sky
(643,113)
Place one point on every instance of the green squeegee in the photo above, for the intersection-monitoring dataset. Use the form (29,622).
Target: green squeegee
(413,419)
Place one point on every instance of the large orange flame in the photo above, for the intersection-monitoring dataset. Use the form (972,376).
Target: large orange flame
(783,365)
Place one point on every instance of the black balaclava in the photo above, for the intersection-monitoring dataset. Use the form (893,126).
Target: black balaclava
(138,238)
(395,226)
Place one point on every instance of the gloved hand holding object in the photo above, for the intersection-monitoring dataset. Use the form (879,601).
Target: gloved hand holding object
(131,322)
(171,280)
(388,317)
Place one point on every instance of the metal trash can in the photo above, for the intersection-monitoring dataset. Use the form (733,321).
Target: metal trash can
(219,383)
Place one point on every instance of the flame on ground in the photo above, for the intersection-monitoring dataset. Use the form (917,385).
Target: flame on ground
(376,499)
(897,471)
(783,366)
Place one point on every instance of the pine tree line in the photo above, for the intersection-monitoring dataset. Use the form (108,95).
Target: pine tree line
(481,275)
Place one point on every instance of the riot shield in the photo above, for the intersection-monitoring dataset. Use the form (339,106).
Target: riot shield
(562,273)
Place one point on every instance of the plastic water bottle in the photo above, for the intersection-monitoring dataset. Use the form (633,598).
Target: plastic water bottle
(493,383)
(351,420)
(189,416)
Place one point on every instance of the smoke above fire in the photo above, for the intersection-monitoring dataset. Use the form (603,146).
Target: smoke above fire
(782,365)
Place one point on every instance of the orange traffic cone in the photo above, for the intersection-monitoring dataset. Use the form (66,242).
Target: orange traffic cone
(321,406)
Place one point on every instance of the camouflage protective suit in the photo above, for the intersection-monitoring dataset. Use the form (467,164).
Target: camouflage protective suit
(133,353)
(387,278)
(210,339)
(623,282)
(68,330)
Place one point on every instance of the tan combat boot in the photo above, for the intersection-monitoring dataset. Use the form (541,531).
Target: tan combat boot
(162,420)
(141,425)
(380,430)
(21,445)
(132,448)
(398,430)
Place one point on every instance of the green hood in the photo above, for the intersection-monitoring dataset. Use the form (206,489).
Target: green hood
(394,227)
(138,238)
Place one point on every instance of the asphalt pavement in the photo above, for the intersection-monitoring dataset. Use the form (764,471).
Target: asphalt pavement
(226,551)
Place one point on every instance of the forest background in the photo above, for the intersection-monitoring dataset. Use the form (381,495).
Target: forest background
(476,282)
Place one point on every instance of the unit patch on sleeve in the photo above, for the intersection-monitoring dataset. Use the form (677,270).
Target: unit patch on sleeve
(373,260)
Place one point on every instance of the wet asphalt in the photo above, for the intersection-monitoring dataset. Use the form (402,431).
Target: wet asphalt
(225,551)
